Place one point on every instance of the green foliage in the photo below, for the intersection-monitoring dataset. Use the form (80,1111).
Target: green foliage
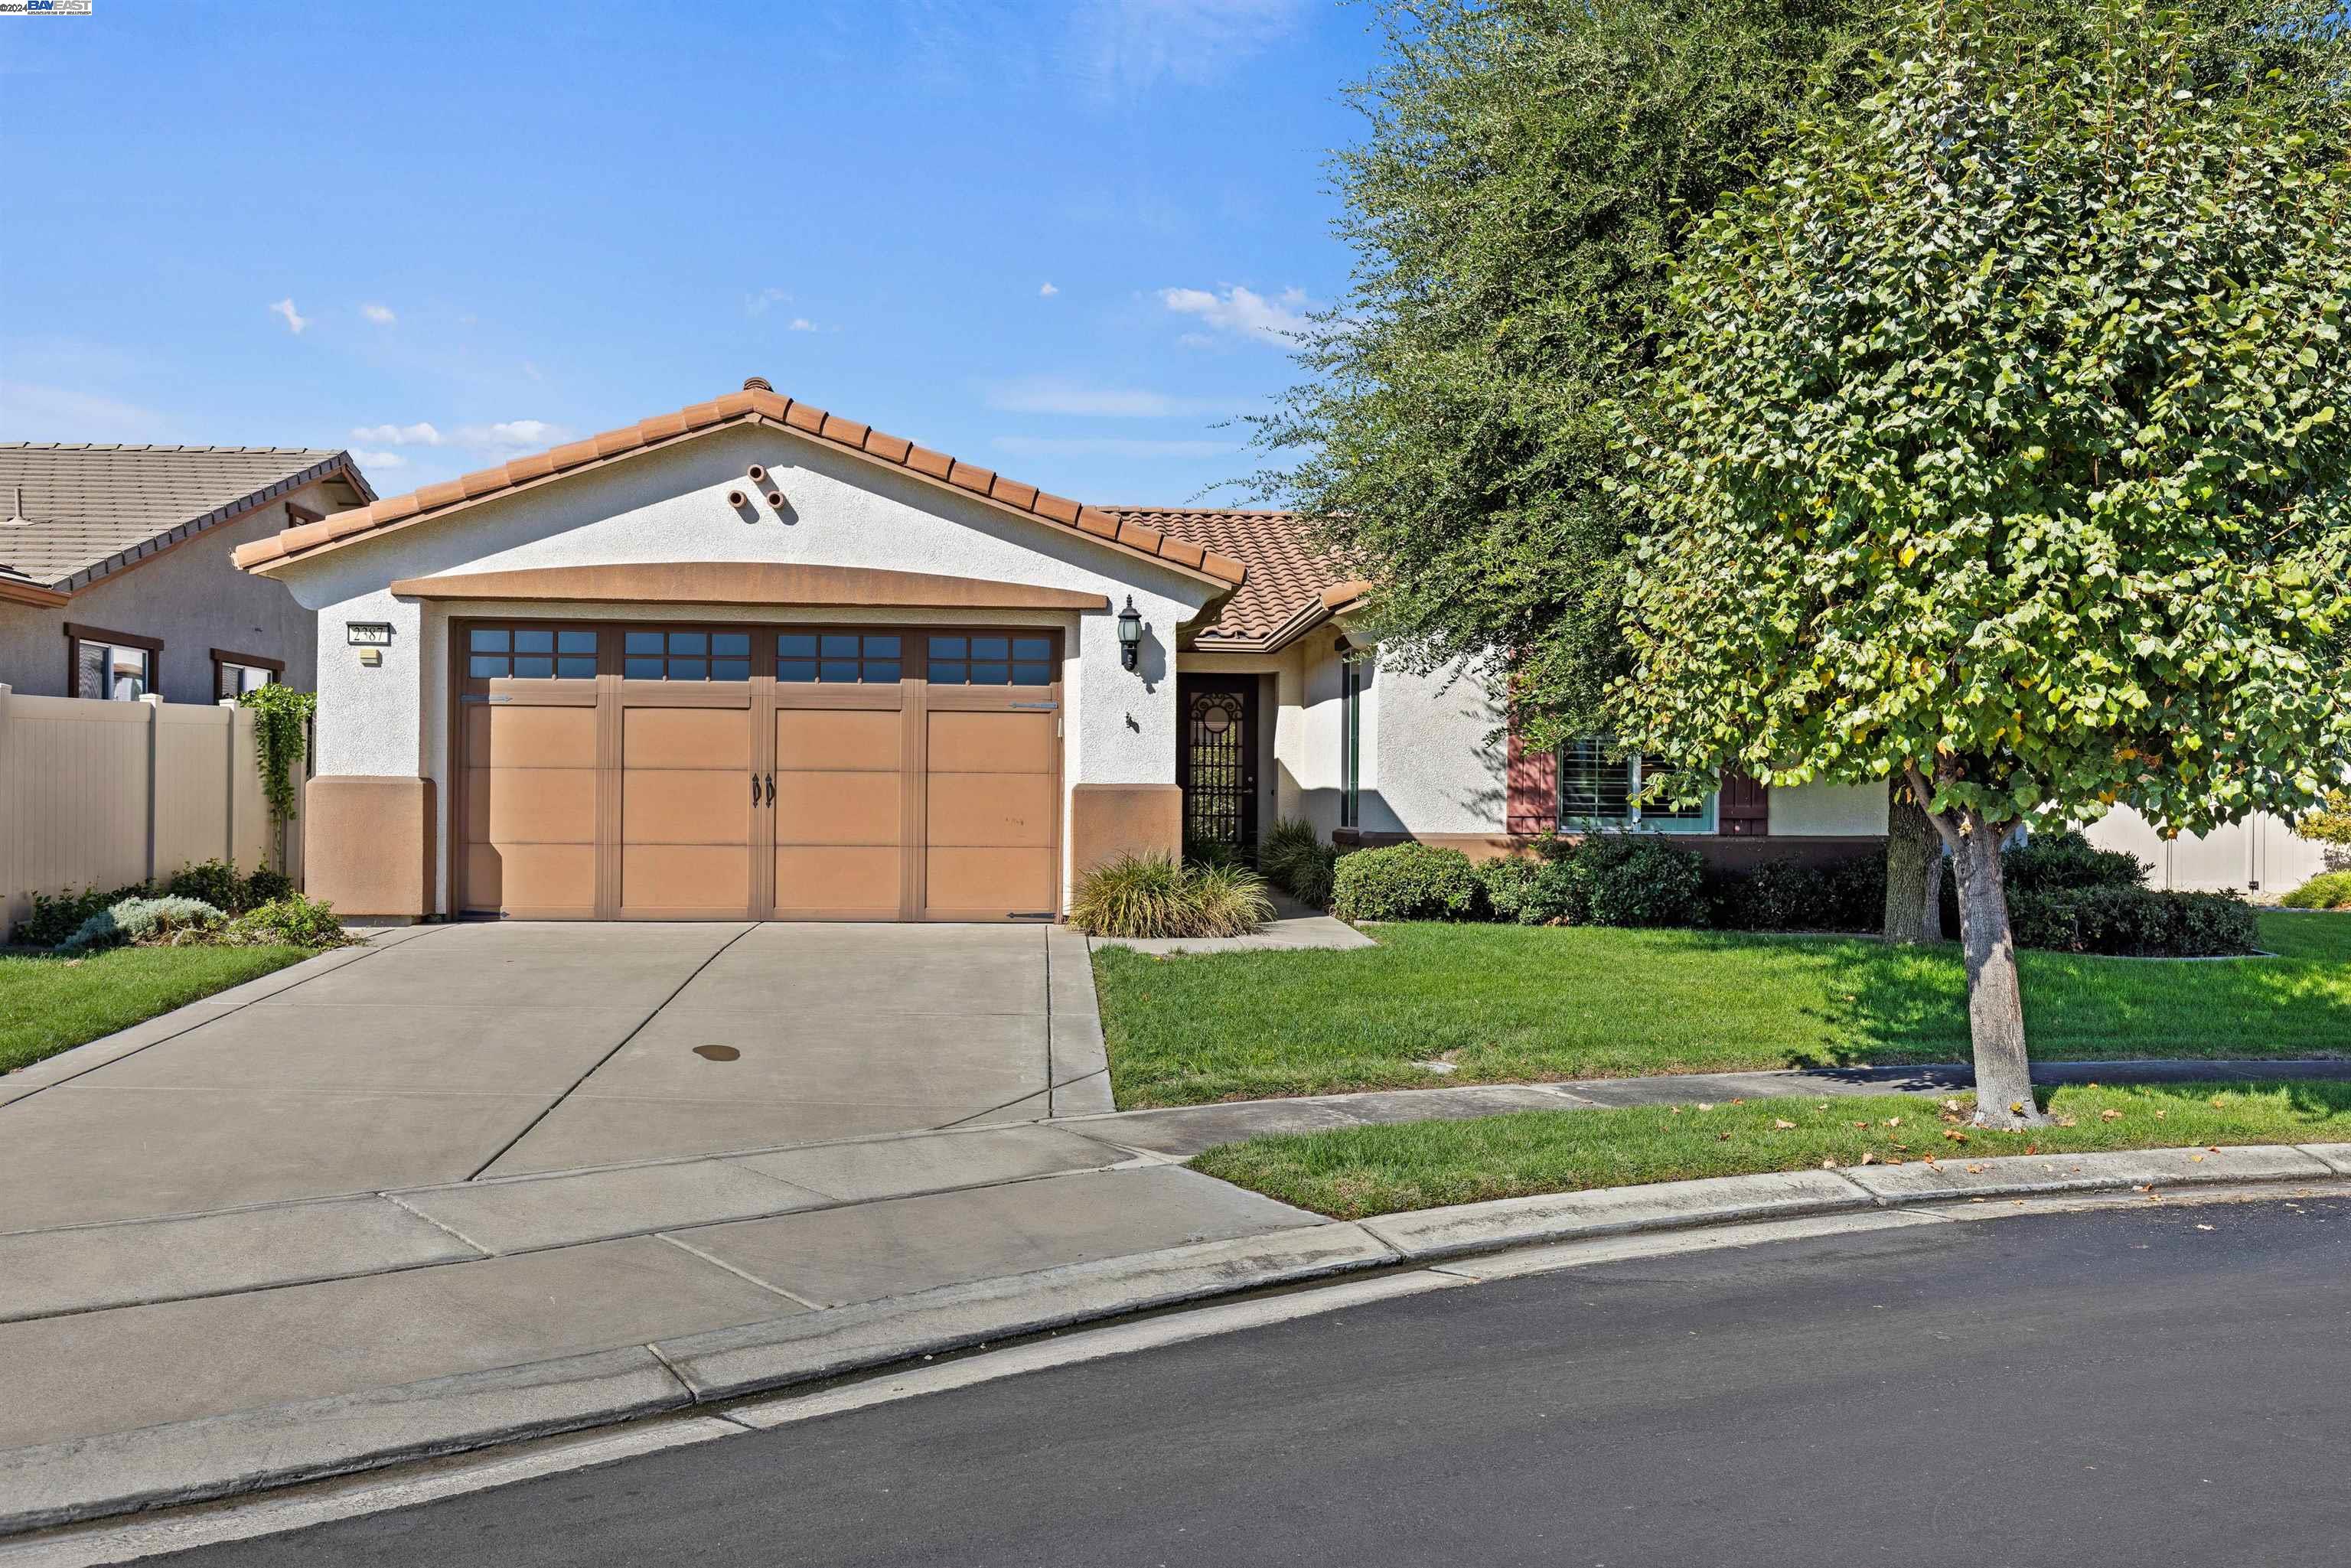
(1529,172)
(211,881)
(2329,824)
(1295,859)
(1154,896)
(1507,884)
(164,922)
(57,915)
(2046,863)
(1794,896)
(1404,882)
(290,920)
(2132,922)
(1632,880)
(281,717)
(2328,890)
(2002,431)
(262,886)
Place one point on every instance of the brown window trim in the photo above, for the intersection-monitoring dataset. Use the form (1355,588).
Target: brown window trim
(81,631)
(254,661)
(297,516)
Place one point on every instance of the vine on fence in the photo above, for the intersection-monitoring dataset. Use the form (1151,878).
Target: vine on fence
(281,725)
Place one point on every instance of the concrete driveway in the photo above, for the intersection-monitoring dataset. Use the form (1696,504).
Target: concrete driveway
(457,1052)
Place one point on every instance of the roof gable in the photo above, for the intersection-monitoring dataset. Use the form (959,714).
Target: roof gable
(95,509)
(754,405)
(1292,586)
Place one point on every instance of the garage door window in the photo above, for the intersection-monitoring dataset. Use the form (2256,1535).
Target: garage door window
(989,661)
(686,656)
(840,657)
(530,654)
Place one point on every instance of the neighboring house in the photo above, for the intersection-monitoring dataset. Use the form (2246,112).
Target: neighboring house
(115,576)
(753,659)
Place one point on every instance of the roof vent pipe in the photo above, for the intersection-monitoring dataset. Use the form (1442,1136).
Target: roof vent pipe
(16,517)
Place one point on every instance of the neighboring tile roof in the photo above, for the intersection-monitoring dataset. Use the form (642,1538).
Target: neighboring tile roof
(96,509)
(755,405)
(1291,585)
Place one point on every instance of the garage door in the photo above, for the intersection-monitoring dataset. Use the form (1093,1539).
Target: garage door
(680,773)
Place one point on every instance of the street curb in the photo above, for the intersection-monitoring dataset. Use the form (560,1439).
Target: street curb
(224,1456)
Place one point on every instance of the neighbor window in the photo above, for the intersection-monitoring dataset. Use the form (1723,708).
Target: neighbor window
(529,653)
(991,660)
(234,675)
(114,667)
(686,656)
(1351,739)
(1597,790)
(846,657)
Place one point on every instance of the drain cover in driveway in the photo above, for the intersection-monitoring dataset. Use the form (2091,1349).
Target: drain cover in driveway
(716,1052)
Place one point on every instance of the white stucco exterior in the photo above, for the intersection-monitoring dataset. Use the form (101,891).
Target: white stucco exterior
(670,505)
(1828,810)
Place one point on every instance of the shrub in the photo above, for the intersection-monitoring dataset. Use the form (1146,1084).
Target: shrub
(263,886)
(291,921)
(1792,895)
(2328,890)
(212,882)
(57,915)
(1632,879)
(1299,863)
(148,923)
(2046,862)
(1508,882)
(1404,882)
(2132,922)
(1152,896)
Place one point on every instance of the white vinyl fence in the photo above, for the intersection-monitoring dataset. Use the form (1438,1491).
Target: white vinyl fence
(98,794)
(2261,854)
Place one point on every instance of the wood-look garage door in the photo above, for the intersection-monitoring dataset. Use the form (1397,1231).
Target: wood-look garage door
(724,773)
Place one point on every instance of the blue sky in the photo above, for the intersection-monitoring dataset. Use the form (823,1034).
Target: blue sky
(1060,238)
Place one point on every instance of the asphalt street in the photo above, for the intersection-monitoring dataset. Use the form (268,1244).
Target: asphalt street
(2158,1384)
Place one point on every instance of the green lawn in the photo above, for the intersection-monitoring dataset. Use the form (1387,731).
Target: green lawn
(1509,1002)
(1360,1170)
(49,1004)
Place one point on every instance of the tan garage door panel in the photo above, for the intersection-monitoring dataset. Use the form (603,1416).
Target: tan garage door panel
(507,735)
(839,817)
(862,738)
(814,808)
(991,742)
(988,884)
(838,879)
(685,807)
(532,882)
(529,809)
(531,805)
(991,810)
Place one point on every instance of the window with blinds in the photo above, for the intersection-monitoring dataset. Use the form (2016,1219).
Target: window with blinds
(1597,790)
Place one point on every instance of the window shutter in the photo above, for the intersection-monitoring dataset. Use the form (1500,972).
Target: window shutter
(1744,807)
(1531,778)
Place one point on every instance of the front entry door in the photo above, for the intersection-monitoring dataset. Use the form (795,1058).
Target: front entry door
(1216,763)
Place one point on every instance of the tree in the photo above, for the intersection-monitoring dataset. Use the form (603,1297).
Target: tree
(1530,172)
(1998,447)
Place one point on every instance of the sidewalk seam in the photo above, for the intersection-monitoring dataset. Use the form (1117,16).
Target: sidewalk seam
(446,1229)
(740,1275)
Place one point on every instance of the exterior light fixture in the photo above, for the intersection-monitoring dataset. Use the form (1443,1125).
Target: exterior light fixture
(1130,634)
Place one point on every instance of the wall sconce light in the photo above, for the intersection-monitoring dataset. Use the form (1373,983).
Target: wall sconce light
(1130,634)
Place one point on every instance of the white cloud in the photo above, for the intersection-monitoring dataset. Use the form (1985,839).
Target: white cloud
(420,433)
(1110,446)
(1047,292)
(803,324)
(1119,45)
(1054,394)
(514,433)
(760,303)
(379,459)
(295,319)
(382,315)
(1244,311)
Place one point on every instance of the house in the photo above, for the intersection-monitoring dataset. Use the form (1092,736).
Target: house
(115,577)
(753,659)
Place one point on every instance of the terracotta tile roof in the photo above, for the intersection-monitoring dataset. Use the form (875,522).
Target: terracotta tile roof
(92,510)
(1292,584)
(752,405)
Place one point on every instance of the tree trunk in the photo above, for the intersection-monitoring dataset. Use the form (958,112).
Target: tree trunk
(1995,1001)
(1914,871)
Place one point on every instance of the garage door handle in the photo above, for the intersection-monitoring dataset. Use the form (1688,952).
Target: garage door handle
(755,789)
(771,788)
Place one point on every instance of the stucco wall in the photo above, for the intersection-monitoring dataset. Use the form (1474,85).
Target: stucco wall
(1432,756)
(670,505)
(1828,810)
(191,597)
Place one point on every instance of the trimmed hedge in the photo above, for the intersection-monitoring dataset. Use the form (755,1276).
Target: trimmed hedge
(1792,896)
(2134,922)
(2327,889)
(1404,882)
(1627,880)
